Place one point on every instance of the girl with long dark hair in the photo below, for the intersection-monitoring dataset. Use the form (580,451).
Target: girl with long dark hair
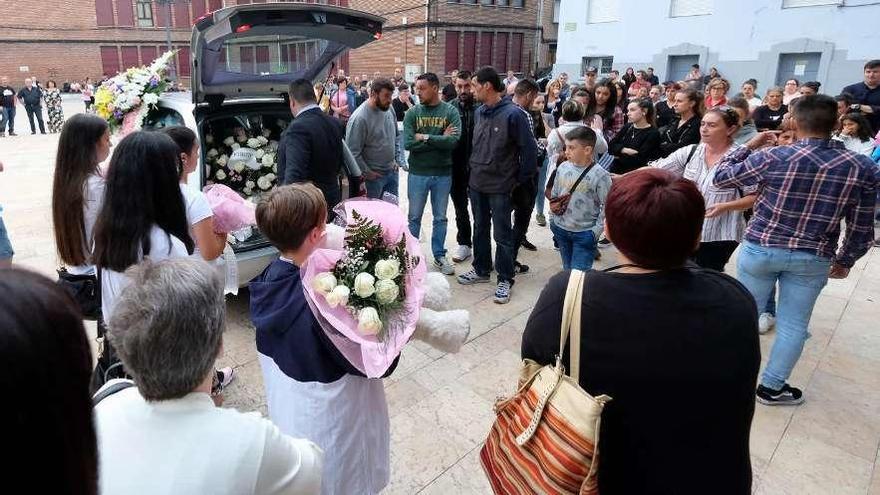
(856,133)
(78,189)
(607,109)
(143,213)
(684,131)
(638,142)
(47,362)
(209,244)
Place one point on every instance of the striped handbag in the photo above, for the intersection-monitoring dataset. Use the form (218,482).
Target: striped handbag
(545,438)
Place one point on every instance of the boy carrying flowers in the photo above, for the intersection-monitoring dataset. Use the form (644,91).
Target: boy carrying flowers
(311,389)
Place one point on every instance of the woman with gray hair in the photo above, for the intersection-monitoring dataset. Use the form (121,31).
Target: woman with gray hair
(166,436)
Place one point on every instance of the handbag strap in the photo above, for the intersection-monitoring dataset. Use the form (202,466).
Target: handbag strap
(571,323)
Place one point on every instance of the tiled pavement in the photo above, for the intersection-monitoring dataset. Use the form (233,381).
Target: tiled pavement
(441,404)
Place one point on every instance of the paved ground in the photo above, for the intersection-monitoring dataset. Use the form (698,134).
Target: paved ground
(441,405)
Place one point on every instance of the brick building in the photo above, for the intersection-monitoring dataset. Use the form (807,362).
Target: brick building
(69,40)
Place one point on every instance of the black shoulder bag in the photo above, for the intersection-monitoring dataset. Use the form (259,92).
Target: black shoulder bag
(85,291)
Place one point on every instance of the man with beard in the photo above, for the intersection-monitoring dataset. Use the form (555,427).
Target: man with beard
(370,135)
(465,104)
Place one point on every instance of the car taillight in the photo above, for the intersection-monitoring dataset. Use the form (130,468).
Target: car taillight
(377,36)
(243,28)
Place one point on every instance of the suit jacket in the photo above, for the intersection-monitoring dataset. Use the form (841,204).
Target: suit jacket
(311,150)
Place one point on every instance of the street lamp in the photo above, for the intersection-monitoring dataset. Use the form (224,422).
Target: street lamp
(172,73)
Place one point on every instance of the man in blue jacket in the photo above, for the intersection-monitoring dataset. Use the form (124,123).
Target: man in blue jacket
(502,159)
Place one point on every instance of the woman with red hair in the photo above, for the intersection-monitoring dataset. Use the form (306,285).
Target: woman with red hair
(673,345)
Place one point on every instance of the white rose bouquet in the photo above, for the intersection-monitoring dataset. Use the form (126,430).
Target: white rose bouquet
(367,293)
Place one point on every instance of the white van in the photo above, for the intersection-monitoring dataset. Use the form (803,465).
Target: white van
(243,59)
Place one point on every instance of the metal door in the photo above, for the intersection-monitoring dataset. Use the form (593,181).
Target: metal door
(678,66)
(801,66)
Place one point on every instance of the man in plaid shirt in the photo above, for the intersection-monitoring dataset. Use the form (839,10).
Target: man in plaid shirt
(804,191)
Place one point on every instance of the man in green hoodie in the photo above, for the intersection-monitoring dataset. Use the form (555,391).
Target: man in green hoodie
(430,133)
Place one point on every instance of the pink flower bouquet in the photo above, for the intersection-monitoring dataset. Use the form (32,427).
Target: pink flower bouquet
(231,211)
(367,295)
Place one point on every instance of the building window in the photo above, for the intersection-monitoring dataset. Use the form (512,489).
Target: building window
(809,3)
(603,11)
(557,6)
(104,12)
(144,13)
(601,63)
(685,8)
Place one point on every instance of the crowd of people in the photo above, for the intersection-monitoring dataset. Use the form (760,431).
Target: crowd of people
(774,178)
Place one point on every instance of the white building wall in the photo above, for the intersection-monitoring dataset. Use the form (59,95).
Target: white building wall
(742,38)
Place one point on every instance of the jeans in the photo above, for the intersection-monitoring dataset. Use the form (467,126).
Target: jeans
(38,113)
(542,181)
(459,193)
(8,119)
(385,184)
(399,152)
(523,198)
(6,251)
(801,277)
(492,212)
(771,302)
(418,187)
(578,249)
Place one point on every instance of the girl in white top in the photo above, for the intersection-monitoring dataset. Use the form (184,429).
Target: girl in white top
(209,244)
(143,215)
(748,93)
(855,133)
(572,117)
(78,189)
(724,225)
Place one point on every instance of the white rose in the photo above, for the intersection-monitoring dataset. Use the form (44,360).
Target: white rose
(249,184)
(363,284)
(262,139)
(235,146)
(247,191)
(387,269)
(338,296)
(268,159)
(368,321)
(220,175)
(323,283)
(264,183)
(253,143)
(229,141)
(386,291)
(238,167)
(222,160)
(260,153)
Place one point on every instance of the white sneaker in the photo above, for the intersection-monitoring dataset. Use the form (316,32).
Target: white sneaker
(445,267)
(766,322)
(462,253)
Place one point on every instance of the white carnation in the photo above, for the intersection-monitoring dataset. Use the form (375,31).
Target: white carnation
(213,153)
(222,160)
(249,184)
(229,141)
(264,183)
(220,175)
(262,139)
(260,154)
(238,167)
(235,146)
(268,159)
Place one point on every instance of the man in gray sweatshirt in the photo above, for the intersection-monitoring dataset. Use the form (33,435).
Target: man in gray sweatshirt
(371,134)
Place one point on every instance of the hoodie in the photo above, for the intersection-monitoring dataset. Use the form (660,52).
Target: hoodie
(287,331)
(504,150)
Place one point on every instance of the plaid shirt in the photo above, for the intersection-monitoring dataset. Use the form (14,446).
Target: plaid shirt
(616,125)
(804,191)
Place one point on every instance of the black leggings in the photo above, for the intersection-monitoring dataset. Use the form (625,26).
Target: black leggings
(715,255)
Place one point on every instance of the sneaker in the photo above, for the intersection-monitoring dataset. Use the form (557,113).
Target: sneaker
(462,253)
(528,246)
(604,243)
(766,322)
(222,379)
(444,266)
(502,292)
(520,268)
(787,396)
(541,220)
(472,277)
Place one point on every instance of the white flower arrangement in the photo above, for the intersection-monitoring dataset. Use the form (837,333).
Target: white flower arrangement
(248,160)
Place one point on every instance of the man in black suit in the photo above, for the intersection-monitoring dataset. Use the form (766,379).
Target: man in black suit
(311,148)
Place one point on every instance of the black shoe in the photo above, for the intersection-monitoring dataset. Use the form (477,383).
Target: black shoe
(13,134)
(528,246)
(604,242)
(43,133)
(787,396)
(520,268)
(34,133)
